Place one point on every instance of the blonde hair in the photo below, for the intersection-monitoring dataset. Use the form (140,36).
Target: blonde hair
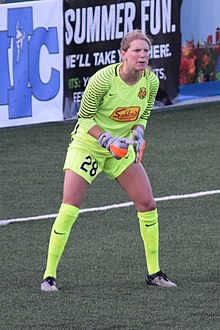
(133,35)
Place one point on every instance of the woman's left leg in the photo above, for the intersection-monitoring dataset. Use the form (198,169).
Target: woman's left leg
(134,180)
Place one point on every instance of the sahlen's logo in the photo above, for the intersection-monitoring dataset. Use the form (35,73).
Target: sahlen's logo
(125,114)
(20,77)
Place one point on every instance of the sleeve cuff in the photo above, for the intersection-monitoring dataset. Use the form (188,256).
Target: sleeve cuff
(86,124)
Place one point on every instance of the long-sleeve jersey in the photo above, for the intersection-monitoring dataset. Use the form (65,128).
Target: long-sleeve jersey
(115,106)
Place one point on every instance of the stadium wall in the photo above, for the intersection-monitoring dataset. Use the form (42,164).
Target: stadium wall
(49,50)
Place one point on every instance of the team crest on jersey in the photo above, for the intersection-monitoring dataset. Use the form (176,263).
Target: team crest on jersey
(142,93)
(125,114)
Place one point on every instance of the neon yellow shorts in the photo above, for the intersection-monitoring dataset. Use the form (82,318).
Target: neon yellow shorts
(89,162)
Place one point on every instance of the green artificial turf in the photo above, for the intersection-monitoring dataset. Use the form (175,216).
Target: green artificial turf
(102,271)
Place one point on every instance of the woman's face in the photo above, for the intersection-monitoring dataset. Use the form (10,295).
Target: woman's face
(137,55)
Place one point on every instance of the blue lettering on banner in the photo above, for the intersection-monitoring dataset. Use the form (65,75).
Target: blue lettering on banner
(18,87)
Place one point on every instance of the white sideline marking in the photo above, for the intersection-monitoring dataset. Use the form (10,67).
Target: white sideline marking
(113,206)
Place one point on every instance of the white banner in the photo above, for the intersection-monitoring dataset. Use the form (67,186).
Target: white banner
(31,62)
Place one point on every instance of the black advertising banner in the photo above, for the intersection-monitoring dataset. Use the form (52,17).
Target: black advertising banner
(92,34)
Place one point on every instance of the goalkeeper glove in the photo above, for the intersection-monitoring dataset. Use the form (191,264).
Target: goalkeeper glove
(118,147)
(139,143)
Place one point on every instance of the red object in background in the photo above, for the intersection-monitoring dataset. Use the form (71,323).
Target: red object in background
(217,36)
(209,39)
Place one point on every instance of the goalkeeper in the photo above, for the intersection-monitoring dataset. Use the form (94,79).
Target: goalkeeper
(109,137)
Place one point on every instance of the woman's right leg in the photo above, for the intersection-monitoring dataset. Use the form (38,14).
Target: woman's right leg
(73,194)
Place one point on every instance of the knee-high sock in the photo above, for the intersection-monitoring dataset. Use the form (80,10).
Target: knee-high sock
(59,235)
(149,233)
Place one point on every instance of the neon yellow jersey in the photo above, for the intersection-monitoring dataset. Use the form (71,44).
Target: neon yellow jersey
(113,105)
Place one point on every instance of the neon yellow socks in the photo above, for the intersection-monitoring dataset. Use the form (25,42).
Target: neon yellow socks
(59,235)
(149,233)
(67,216)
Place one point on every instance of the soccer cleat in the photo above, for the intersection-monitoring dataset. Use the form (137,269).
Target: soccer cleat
(160,279)
(49,284)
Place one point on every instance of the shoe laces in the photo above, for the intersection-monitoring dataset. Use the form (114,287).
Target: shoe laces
(161,275)
(51,280)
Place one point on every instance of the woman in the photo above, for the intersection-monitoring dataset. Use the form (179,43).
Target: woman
(109,137)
